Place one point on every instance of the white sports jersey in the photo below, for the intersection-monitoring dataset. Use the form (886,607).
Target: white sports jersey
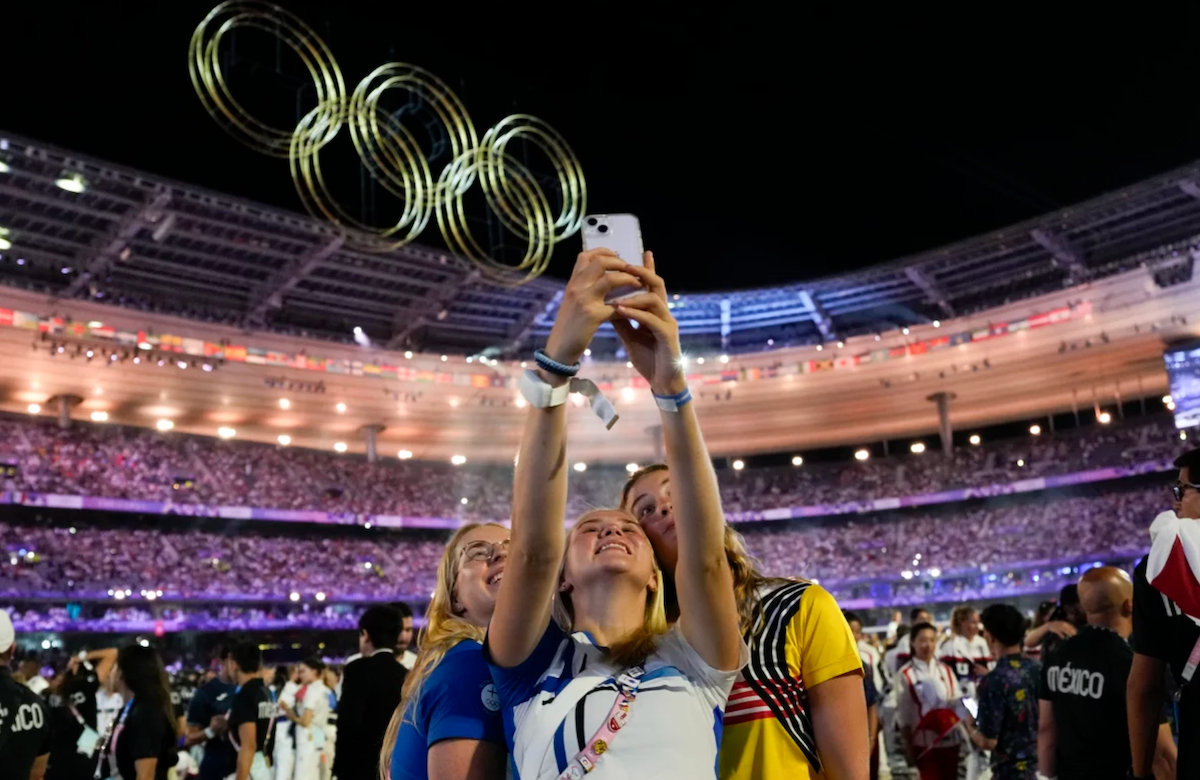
(871,657)
(962,654)
(921,687)
(556,701)
(108,707)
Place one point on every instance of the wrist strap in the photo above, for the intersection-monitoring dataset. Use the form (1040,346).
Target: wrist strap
(550,365)
(673,403)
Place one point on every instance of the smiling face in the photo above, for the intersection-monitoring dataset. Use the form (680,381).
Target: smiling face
(607,543)
(649,501)
(480,556)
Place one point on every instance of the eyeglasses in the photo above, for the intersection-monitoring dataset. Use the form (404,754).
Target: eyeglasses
(1179,488)
(484,551)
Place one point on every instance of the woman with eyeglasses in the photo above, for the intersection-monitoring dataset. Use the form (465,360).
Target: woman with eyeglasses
(448,724)
(591,678)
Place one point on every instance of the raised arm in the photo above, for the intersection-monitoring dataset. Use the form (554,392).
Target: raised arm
(708,613)
(540,483)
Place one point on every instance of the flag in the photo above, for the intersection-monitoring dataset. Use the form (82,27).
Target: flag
(1173,565)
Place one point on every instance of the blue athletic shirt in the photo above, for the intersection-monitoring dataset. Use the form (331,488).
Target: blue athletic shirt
(674,725)
(457,701)
(213,698)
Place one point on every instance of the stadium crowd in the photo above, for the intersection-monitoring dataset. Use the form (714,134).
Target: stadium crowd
(134,463)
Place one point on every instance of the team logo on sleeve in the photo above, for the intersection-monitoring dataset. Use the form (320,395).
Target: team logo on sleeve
(491,699)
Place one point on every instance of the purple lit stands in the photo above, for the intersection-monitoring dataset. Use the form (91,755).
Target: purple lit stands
(393,521)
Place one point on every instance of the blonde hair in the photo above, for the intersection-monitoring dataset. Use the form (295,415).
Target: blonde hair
(442,631)
(638,646)
(960,613)
(747,578)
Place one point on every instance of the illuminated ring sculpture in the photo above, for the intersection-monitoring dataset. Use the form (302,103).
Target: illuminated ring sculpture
(218,100)
(392,155)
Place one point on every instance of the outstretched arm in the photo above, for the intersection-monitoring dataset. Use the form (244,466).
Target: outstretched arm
(540,484)
(703,581)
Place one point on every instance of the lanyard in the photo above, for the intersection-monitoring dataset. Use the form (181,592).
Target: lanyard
(110,742)
(585,760)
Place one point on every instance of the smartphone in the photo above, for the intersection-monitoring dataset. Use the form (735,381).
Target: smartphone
(971,706)
(622,233)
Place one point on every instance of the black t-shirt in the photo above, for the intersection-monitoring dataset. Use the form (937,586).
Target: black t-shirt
(24,727)
(144,733)
(78,692)
(251,704)
(1162,631)
(1085,679)
(213,698)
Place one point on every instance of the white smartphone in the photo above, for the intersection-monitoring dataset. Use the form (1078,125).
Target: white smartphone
(622,233)
(971,706)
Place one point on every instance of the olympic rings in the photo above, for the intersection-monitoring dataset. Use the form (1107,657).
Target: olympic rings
(390,152)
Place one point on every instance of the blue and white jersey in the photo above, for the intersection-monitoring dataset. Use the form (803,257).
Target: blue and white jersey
(556,701)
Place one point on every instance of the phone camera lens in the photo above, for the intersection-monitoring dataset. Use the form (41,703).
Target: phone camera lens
(592,221)
(602,229)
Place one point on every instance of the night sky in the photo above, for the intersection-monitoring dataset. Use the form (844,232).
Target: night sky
(756,149)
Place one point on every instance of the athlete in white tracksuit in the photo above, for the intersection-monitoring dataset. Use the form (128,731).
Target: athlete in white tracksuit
(311,720)
(284,758)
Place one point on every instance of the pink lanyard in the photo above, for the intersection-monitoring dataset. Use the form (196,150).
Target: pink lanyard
(585,760)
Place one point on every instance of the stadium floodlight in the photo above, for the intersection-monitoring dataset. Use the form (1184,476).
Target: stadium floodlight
(862,455)
(917,447)
(724,359)
(341,408)
(285,403)
(34,408)
(976,440)
(632,468)
(464,501)
(71,182)
(294,596)
(164,424)
(699,361)
(226,432)
(1104,418)
(580,467)
(458,460)
(339,446)
(445,358)
(320,596)
(628,393)
(404,454)
(905,331)
(937,323)
(738,465)
(797,460)
(1035,430)
(408,355)
(1167,400)
(284,440)
(99,416)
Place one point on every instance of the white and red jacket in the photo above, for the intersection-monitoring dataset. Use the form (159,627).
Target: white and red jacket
(922,687)
(961,655)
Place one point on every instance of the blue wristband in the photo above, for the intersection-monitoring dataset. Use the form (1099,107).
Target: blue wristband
(550,365)
(673,403)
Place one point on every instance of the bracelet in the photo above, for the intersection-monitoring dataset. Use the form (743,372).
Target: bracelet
(209,733)
(673,403)
(552,366)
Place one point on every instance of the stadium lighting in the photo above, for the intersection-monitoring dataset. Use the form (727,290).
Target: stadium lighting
(284,440)
(1167,400)
(906,574)
(587,352)
(862,455)
(820,348)
(4,242)
(339,446)
(627,393)
(294,596)
(841,344)
(738,465)
(937,323)
(226,433)
(878,337)
(905,331)
(464,501)
(404,454)
(34,408)
(724,359)
(4,166)
(164,425)
(1105,418)
(935,572)
(628,364)
(71,182)
(453,403)
(1171,407)
(1021,463)
(797,460)
(632,468)
(699,361)
(1035,430)
(917,447)
(1183,435)
(182,364)
(341,408)
(580,467)
(408,355)
(458,460)
(975,440)
(320,596)
(445,358)
(99,416)
(285,403)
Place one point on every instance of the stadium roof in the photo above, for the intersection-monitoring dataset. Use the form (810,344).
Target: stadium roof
(122,236)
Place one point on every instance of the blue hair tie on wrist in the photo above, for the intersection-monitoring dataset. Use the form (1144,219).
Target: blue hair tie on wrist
(552,366)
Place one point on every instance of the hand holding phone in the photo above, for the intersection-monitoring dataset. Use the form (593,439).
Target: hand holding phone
(622,233)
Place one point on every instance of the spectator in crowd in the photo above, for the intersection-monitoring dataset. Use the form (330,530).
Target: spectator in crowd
(926,701)
(25,729)
(917,616)
(872,661)
(371,688)
(1082,726)
(965,650)
(404,652)
(283,750)
(1166,628)
(142,743)
(1008,710)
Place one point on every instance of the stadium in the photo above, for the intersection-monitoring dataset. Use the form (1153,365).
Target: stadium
(300,378)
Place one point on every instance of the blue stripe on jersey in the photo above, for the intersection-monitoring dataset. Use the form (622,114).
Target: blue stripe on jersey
(555,685)
(560,748)
(718,732)
(658,674)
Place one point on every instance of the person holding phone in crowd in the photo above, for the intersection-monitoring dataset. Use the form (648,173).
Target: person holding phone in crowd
(587,671)
(448,725)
